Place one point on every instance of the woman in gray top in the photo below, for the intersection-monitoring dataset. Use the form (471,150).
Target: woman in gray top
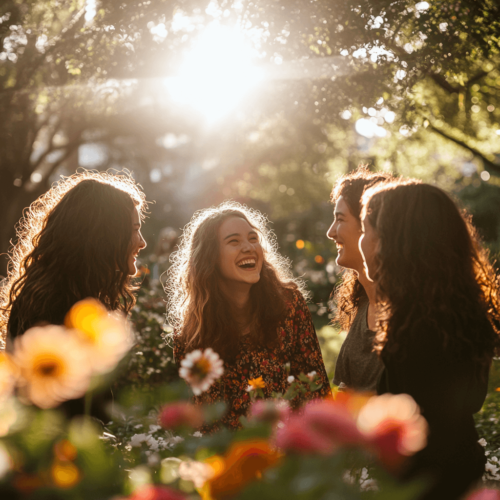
(358,367)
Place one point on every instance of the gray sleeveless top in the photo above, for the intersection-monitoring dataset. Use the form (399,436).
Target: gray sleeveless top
(358,367)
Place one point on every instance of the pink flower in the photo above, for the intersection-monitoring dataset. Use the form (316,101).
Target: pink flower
(333,421)
(181,414)
(269,410)
(152,492)
(484,494)
(294,436)
(323,427)
(394,426)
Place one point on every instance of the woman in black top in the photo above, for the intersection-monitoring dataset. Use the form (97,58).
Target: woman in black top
(438,323)
(78,240)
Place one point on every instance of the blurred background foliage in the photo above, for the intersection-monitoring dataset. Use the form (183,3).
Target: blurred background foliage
(407,86)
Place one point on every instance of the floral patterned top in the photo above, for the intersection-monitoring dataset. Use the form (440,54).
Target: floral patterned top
(298,346)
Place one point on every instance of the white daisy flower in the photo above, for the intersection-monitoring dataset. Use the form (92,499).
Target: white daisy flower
(201,369)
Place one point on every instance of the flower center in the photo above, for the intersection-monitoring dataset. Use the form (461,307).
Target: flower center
(201,368)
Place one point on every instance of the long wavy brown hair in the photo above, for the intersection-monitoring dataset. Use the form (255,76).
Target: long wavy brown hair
(197,309)
(348,295)
(72,243)
(431,271)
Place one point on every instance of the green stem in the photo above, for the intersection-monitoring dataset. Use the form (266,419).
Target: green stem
(88,403)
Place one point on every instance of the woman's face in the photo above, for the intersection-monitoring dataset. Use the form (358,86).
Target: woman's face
(240,253)
(137,243)
(345,231)
(368,246)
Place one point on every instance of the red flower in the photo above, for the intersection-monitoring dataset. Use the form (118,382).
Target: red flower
(152,492)
(181,414)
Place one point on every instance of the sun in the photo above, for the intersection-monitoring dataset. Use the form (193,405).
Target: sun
(217,73)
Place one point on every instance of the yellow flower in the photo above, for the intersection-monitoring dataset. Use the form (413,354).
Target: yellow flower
(65,474)
(255,383)
(54,365)
(105,334)
(8,375)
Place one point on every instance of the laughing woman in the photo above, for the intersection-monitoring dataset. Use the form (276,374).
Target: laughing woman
(439,323)
(230,290)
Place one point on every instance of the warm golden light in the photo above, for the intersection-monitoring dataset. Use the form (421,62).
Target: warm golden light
(217,73)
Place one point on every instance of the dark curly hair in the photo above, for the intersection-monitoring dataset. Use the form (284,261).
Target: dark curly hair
(73,243)
(197,309)
(350,292)
(431,271)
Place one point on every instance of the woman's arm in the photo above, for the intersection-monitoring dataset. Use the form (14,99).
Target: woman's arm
(306,350)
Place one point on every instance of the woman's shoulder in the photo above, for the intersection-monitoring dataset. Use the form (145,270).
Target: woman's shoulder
(294,299)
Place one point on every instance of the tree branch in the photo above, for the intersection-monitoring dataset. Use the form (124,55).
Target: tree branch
(445,84)
(489,164)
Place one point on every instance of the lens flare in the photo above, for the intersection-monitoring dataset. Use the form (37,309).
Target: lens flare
(217,74)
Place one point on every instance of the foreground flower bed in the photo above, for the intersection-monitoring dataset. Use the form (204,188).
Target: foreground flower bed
(151,448)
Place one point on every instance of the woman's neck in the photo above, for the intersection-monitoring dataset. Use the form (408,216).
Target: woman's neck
(239,298)
(369,287)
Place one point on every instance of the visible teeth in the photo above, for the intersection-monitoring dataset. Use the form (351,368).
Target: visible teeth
(248,261)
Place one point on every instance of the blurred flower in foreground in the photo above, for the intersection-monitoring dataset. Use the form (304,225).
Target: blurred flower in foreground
(270,410)
(105,334)
(65,474)
(255,383)
(394,426)
(8,375)
(197,472)
(484,494)
(243,462)
(322,428)
(53,365)
(153,492)
(200,369)
(180,414)
(64,450)
(8,415)
(5,461)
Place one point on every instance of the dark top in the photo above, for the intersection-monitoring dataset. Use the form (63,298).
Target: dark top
(448,389)
(298,345)
(61,303)
(55,316)
(358,367)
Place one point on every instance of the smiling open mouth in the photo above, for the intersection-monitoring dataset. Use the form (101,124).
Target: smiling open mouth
(247,264)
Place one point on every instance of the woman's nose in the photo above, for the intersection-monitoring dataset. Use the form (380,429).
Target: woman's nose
(142,243)
(332,232)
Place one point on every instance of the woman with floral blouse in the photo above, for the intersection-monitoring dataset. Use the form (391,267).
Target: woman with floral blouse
(230,290)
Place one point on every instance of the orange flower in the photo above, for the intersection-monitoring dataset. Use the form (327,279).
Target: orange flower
(255,383)
(244,462)
(53,365)
(65,451)
(65,474)
(8,375)
(105,334)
